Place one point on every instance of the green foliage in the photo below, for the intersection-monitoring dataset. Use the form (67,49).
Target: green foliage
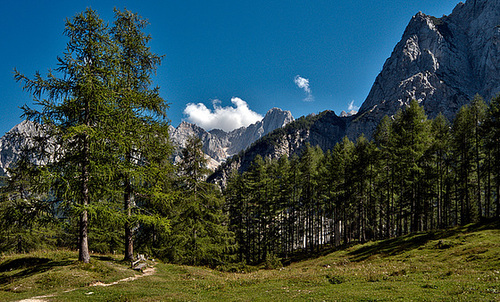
(272,261)
(199,234)
(335,279)
(105,127)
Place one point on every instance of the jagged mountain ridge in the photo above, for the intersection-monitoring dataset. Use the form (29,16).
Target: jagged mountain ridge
(217,144)
(441,62)
(325,130)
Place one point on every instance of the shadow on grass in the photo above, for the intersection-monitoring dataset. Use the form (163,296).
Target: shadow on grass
(399,245)
(26,267)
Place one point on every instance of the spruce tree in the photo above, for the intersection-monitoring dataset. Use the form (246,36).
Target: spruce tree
(199,225)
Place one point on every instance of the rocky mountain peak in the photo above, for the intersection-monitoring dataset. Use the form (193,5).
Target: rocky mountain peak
(13,142)
(276,118)
(219,145)
(440,62)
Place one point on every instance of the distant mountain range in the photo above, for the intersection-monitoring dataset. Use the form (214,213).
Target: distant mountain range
(441,62)
(217,144)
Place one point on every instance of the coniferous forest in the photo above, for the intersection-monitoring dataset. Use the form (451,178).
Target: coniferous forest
(100,178)
(417,174)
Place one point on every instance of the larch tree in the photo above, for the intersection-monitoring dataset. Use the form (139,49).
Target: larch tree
(74,110)
(492,136)
(100,120)
(141,128)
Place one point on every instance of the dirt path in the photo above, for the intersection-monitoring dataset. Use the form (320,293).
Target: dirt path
(147,272)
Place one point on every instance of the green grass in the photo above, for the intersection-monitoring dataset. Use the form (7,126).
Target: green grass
(461,264)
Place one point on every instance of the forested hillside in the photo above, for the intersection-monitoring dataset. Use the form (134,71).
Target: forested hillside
(416,175)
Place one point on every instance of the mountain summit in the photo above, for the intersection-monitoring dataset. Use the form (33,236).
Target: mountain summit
(440,62)
(220,145)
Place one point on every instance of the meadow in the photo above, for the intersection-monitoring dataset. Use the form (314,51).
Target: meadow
(458,264)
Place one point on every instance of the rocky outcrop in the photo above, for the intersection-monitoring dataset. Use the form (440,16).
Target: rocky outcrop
(441,62)
(219,145)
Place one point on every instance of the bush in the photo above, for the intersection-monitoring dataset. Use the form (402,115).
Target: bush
(272,261)
(335,279)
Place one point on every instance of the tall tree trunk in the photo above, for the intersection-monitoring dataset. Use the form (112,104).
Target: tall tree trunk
(84,255)
(129,241)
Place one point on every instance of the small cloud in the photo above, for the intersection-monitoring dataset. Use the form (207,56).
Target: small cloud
(352,107)
(224,118)
(351,110)
(303,83)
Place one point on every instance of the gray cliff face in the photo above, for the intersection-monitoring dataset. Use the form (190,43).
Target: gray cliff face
(442,63)
(242,138)
(13,143)
(219,145)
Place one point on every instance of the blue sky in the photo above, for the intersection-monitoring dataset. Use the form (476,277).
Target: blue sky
(243,57)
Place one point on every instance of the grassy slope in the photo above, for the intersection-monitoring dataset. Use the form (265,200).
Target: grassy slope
(461,264)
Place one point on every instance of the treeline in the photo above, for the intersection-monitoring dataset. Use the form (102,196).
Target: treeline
(415,175)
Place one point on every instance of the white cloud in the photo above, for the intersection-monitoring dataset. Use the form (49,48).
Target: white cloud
(352,107)
(224,118)
(303,83)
